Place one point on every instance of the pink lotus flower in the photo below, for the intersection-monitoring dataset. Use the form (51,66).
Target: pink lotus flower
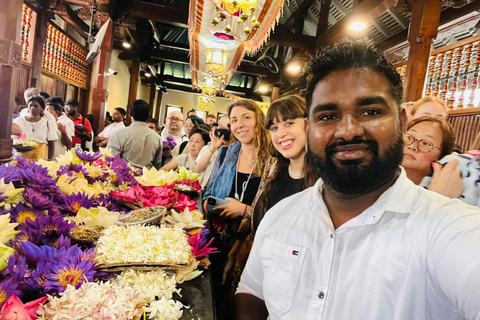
(194,242)
(185,202)
(149,196)
(195,185)
(14,309)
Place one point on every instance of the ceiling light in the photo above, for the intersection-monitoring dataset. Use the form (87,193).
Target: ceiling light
(357,26)
(263,89)
(293,68)
(147,74)
(126,45)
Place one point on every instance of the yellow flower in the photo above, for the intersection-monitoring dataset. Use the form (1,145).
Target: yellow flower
(107,153)
(184,174)
(8,190)
(7,229)
(67,158)
(52,167)
(96,217)
(156,178)
(5,253)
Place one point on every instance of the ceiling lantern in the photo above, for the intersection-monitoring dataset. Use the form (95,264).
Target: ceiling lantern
(203,102)
(216,61)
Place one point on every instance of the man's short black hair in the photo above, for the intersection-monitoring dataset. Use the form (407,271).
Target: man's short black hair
(193,110)
(211,115)
(353,55)
(55,106)
(140,110)
(121,111)
(56,100)
(72,102)
(45,95)
(152,120)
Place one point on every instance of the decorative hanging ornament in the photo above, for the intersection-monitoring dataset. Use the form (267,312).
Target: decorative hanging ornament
(228,28)
(215,21)
(216,61)
(222,16)
(246,31)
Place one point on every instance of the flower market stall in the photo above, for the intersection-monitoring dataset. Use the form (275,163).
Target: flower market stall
(87,236)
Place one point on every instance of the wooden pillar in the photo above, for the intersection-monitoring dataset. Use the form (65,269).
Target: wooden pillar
(423,29)
(41,27)
(275,93)
(99,81)
(153,89)
(10,63)
(159,105)
(132,91)
(322,25)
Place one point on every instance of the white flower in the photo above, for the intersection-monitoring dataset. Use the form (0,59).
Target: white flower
(145,244)
(164,309)
(185,219)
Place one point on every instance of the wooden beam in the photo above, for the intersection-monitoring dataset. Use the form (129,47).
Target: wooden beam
(283,37)
(446,16)
(170,14)
(69,16)
(187,83)
(365,11)
(153,89)
(43,17)
(423,29)
(322,26)
(301,13)
(132,90)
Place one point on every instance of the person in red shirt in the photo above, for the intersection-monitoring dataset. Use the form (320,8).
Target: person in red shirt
(83,128)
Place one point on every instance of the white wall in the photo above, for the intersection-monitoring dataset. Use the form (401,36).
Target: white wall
(118,85)
(189,100)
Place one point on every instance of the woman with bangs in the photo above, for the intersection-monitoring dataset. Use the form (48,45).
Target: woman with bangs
(287,172)
(235,177)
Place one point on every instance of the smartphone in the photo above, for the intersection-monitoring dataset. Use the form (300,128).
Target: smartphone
(213,202)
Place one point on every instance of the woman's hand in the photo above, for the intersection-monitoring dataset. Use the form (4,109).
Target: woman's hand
(447,180)
(216,142)
(233,209)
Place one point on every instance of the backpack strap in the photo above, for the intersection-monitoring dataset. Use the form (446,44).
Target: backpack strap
(223,153)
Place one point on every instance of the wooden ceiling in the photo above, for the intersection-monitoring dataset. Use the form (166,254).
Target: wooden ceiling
(305,26)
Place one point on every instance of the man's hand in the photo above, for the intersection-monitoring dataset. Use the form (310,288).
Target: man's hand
(447,180)
(61,127)
(249,307)
(167,153)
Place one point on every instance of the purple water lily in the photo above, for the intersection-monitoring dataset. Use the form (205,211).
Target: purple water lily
(86,156)
(69,169)
(7,288)
(23,212)
(36,199)
(122,171)
(75,201)
(169,143)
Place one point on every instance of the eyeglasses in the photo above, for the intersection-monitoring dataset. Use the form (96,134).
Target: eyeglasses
(423,145)
(174,119)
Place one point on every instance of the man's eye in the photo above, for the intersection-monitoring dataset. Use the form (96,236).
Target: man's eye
(326,117)
(370,113)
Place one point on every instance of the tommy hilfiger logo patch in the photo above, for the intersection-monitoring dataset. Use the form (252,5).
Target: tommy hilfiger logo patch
(295,253)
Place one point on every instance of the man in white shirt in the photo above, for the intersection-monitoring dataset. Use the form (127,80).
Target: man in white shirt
(364,242)
(118,116)
(65,126)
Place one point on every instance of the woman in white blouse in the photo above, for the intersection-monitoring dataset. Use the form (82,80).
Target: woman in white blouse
(36,127)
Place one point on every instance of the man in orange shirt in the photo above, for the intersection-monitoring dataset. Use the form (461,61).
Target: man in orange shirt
(83,128)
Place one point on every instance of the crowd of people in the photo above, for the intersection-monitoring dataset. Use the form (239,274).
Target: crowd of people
(340,205)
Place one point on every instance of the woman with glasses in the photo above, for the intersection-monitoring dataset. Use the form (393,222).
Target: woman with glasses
(427,140)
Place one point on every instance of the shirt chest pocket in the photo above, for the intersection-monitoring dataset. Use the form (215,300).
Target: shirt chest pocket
(282,264)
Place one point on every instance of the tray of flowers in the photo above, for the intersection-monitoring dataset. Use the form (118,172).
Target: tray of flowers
(23,144)
(148,215)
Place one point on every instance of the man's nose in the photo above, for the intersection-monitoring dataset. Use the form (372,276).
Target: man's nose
(349,128)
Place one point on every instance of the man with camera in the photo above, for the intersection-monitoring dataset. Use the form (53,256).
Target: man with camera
(220,136)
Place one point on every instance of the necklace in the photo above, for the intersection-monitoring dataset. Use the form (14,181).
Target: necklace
(244,184)
(294,175)
(33,127)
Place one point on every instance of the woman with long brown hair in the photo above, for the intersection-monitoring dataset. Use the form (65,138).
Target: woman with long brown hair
(235,178)
(287,172)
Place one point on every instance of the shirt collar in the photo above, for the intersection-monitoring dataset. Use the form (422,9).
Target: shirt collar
(388,201)
(138,123)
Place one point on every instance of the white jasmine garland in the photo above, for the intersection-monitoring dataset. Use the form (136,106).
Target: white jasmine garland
(143,244)
(95,301)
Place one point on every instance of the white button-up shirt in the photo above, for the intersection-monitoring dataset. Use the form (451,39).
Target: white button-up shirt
(412,255)
(111,129)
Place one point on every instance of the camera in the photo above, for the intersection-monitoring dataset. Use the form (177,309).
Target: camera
(211,201)
(223,132)
(112,72)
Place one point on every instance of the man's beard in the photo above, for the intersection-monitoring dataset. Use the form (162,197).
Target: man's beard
(353,177)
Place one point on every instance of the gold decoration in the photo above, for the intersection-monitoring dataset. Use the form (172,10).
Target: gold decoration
(235,3)
(215,21)
(246,31)
(218,8)
(239,20)
(244,17)
(228,28)
(222,16)
(216,61)
(256,25)
(254,19)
